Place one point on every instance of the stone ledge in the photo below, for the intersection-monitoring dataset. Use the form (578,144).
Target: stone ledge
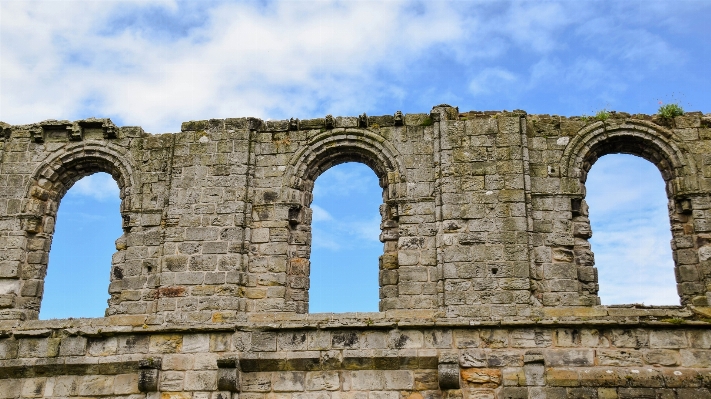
(16,368)
(664,317)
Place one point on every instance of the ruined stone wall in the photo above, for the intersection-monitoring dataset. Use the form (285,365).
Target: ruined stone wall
(488,287)
(390,355)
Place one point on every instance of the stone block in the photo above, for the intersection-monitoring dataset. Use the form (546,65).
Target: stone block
(205,361)
(196,343)
(562,377)
(366,380)
(695,358)
(534,374)
(72,346)
(319,339)
(482,377)
(345,339)
(290,381)
(662,357)
(10,388)
(165,343)
(668,339)
(406,339)
(63,386)
(322,381)
(200,380)
(38,347)
(263,341)
(290,341)
(178,362)
(256,382)
(515,393)
(398,380)
(97,385)
(621,358)
(569,357)
(8,348)
(171,381)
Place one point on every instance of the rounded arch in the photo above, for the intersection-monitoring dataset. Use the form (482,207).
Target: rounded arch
(323,151)
(56,175)
(49,182)
(658,145)
(343,145)
(636,137)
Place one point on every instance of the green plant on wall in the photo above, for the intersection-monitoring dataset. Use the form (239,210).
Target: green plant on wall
(669,111)
(427,122)
(602,115)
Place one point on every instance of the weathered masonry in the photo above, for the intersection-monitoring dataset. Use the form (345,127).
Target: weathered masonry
(488,287)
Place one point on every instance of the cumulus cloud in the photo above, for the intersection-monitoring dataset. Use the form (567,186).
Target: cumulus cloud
(346,181)
(346,215)
(242,59)
(490,80)
(156,64)
(320,214)
(631,232)
(99,186)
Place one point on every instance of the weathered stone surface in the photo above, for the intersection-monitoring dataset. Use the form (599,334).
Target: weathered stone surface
(486,276)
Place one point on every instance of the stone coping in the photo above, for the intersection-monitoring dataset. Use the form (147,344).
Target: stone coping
(628,316)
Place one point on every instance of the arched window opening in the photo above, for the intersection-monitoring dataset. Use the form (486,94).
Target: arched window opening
(629,217)
(88,223)
(345,246)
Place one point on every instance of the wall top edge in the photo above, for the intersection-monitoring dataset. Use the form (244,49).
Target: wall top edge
(601,316)
(438,113)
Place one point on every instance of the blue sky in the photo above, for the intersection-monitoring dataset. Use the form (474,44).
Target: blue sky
(157,64)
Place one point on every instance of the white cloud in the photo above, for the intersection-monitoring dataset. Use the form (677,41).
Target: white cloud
(631,232)
(345,233)
(320,214)
(346,181)
(156,64)
(323,238)
(368,230)
(491,80)
(346,215)
(99,186)
(279,60)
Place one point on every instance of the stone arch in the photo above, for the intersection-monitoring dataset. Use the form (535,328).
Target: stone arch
(339,146)
(636,137)
(49,183)
(61,170)
(655,144)
(323,151)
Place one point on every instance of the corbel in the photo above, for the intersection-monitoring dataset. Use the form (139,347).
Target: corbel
(295,215)
(448,375)
(126,222)
(76,132)
(31,223)
(36,134)
(148,374)
(399,119)
(110,130)
(228,374)
(684,205)
(5,131)
(363,120)
(329,122)
(576,206)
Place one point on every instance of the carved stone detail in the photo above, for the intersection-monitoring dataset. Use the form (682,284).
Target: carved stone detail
(448,375)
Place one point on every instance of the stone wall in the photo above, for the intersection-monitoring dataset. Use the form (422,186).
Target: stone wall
(389,355)
(488,287)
